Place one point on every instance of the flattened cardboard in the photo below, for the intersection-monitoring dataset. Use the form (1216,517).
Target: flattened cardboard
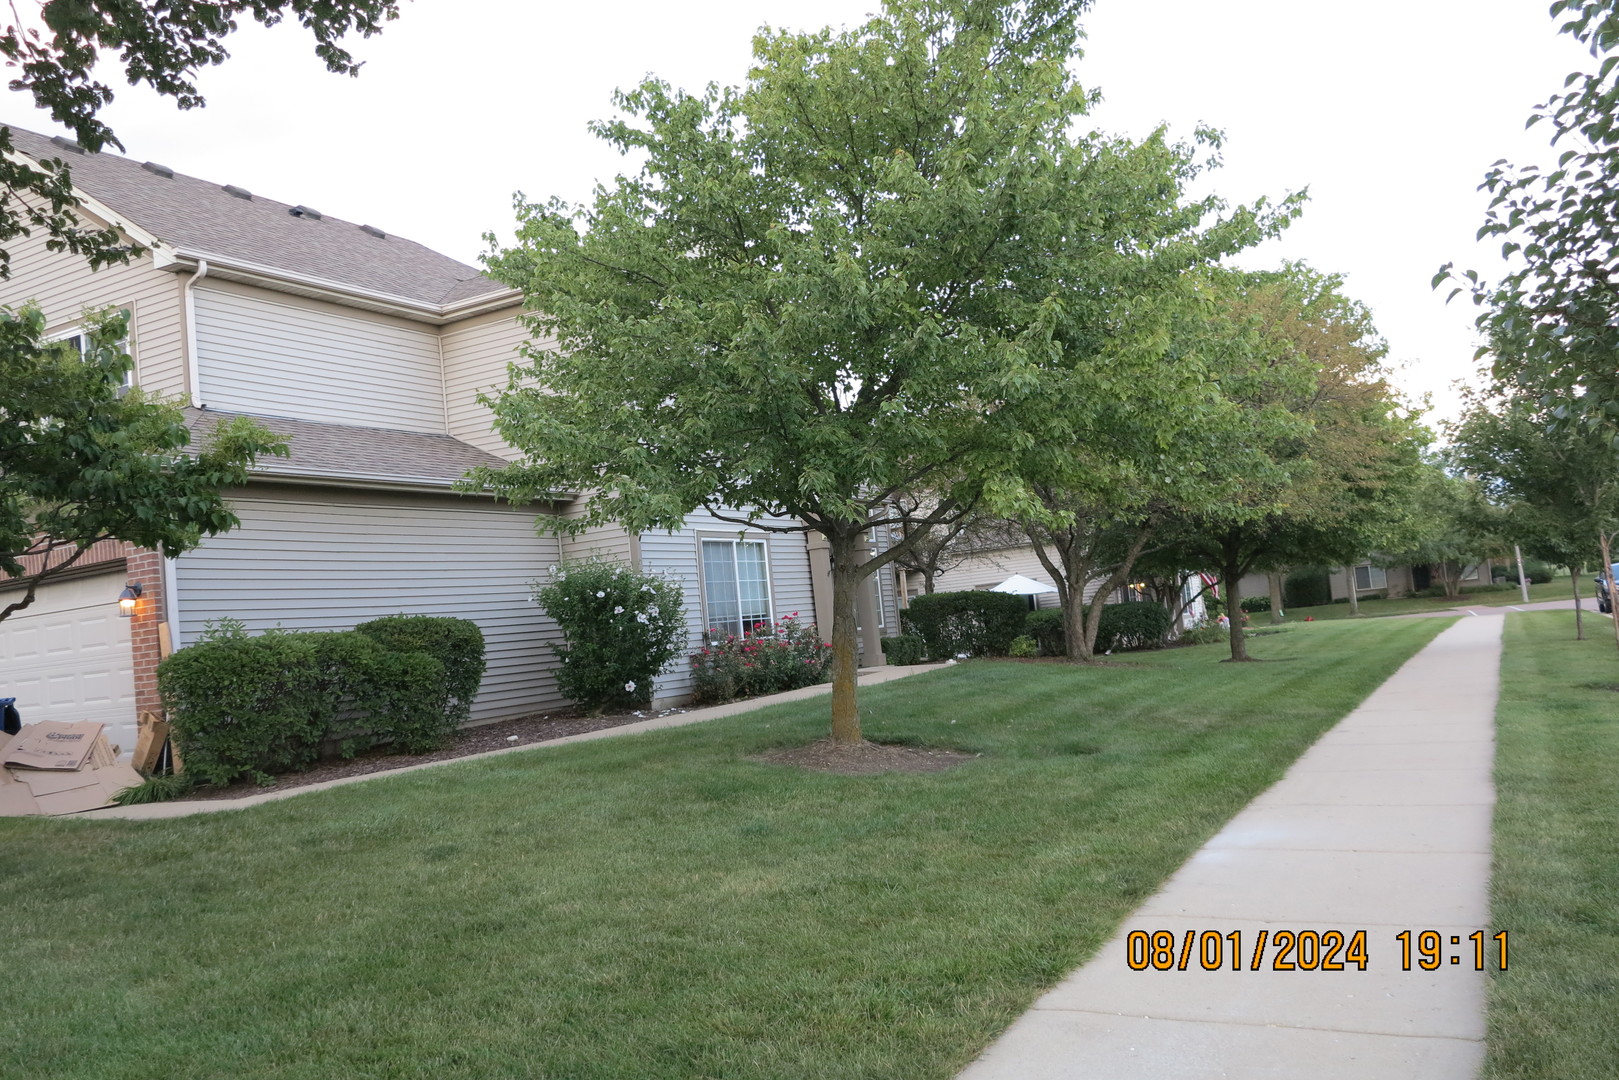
(50,783)
(28,792)
(54,745)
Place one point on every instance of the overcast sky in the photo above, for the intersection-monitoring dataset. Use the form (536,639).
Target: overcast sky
(1388,112)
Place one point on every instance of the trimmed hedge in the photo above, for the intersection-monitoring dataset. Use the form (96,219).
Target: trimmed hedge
(1253,604)
(1309,587)
(1137,625)
(905,649)
(1046,627)
(244,706)
(977,623)
(455,643)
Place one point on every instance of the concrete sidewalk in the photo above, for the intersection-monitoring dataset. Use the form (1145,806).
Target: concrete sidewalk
(1382,826)
(186,808)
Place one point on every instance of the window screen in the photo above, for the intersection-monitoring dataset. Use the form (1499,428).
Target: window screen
(736,585)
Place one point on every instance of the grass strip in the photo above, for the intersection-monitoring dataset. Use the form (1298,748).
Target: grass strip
(659,906)
(1372,607)
(1554,1014)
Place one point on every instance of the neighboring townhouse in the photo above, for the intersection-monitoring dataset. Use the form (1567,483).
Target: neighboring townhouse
(367,351)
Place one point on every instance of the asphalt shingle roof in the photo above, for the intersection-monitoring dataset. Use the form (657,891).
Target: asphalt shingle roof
(343,452)
(201,216)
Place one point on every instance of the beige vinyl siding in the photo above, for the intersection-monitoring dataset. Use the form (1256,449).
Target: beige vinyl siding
(609,542)
(308,560)
(677,554)
(476,353)
(989,569)
(310,361)
(64,286)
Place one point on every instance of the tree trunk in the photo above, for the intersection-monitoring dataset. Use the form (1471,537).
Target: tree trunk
(1606,540)
(927,581)
(1274,579)
(1353,589)
(846,579)
(1579,615)
(1232,574)
(1075,635)
(1121,574)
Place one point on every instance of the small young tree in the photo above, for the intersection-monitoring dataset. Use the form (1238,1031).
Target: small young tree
(84,460)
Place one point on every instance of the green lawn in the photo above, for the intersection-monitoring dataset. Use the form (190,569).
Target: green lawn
(1556,589)
(1554,1014)
(658,906)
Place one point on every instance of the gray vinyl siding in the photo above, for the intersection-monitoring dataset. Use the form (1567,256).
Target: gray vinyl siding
(475,357)
(327,561)
(677,555)
(64,286)
(310,361)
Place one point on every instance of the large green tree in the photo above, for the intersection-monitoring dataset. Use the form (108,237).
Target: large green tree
(1180,440)
(83,459)
(61,54)
(1551,322)
(1336,448)
(854,277)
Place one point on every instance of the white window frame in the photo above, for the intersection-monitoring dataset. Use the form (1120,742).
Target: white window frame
(702,577)
(82,333)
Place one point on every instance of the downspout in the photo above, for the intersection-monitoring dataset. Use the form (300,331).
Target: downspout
(193,365)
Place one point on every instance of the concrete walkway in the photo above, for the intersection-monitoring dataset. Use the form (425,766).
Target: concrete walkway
(1382,826)
(186,808)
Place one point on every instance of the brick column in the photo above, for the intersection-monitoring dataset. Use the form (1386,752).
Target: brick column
(145,638)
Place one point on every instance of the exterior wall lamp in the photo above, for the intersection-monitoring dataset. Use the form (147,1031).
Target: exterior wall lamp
(127,599)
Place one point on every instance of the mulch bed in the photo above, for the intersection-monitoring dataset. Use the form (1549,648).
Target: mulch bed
(865,758)
(523,731)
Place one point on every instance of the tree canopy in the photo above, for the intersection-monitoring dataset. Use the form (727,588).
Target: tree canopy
(162,43)
(84,459)
(878,267)
(1332,479)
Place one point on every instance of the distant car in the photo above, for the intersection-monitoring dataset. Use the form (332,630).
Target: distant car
(1605,589)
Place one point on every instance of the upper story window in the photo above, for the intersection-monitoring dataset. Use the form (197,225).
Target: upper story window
(79,338)
(736,585)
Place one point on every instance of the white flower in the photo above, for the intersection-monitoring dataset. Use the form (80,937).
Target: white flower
(601,596)
(629,687)
(619,610)
(641,618)
(646,588)
(653,611)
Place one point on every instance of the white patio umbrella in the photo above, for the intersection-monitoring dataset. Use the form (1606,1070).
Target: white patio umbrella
(1023,586)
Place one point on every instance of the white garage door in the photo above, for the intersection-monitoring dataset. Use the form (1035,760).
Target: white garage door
(66,657)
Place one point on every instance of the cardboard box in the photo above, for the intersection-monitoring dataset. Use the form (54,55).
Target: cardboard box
(54,745)
(27,791)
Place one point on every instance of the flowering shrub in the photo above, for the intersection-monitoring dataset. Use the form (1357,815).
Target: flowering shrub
(620,628)
(773,657)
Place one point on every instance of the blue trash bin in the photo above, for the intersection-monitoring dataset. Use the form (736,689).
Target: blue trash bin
(10,722)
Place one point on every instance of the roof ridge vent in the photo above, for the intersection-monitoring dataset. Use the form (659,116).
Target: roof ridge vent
(238,192)
(161,170)
(67,144)
(374,231)
(305,212)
